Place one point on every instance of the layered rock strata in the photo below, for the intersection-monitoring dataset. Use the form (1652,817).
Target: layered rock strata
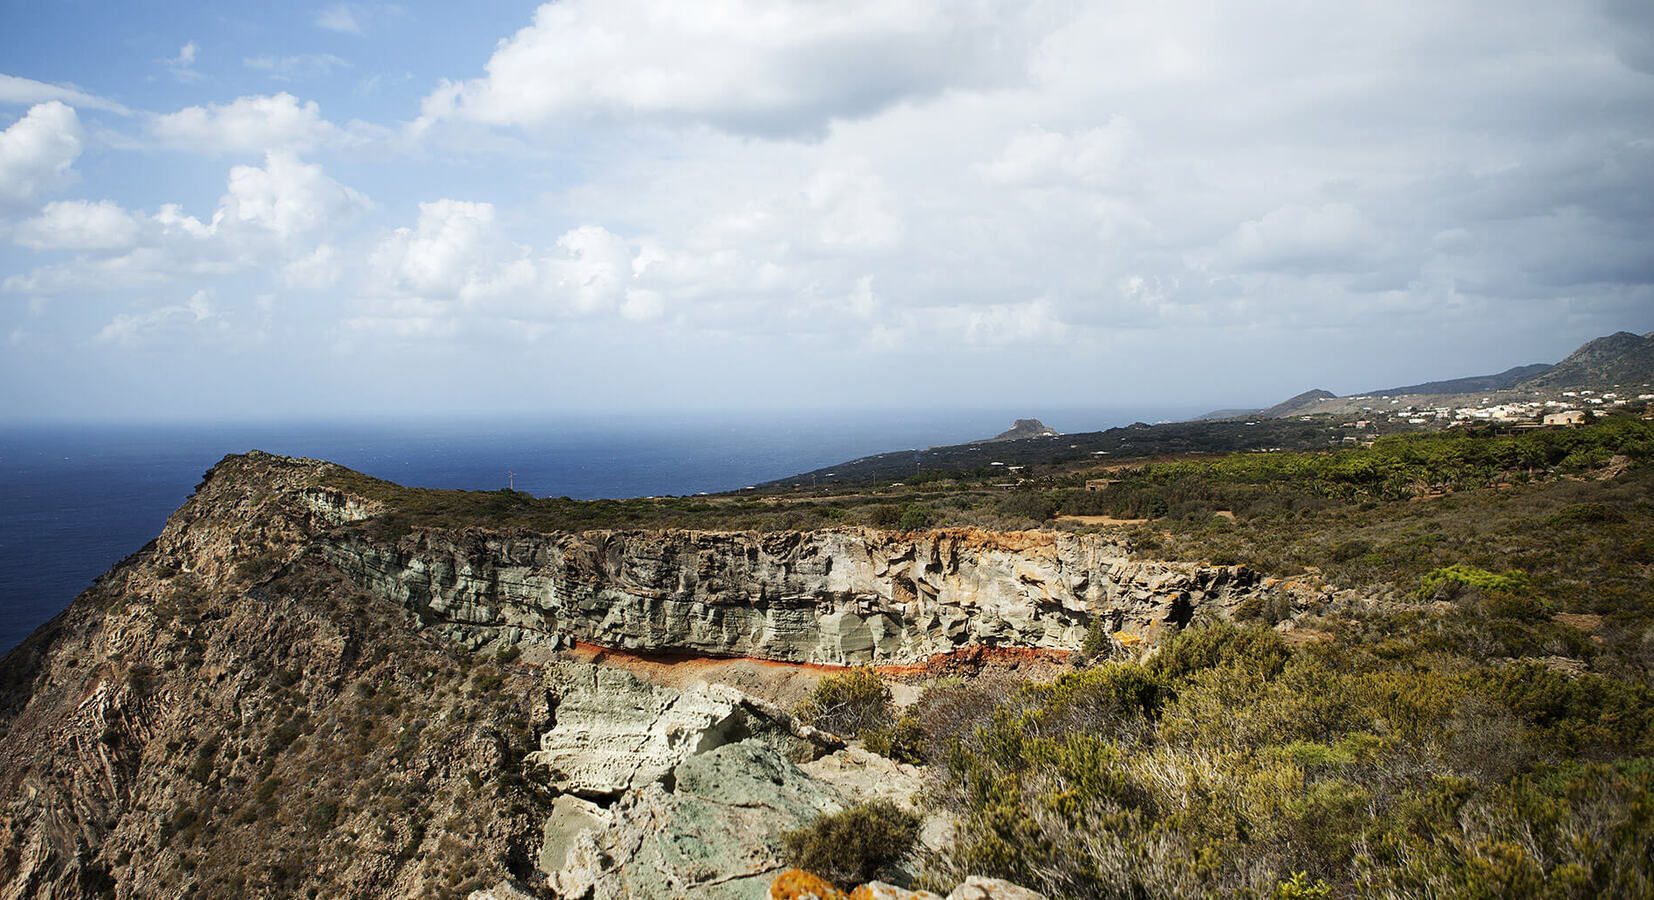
(836,597)
(613,732)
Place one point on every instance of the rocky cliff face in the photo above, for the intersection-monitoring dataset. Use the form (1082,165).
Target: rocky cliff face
(276,698)
(835,597)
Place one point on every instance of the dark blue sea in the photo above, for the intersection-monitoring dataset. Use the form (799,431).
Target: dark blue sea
(76,499)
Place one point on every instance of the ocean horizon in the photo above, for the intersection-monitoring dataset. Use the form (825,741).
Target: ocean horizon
(79,497)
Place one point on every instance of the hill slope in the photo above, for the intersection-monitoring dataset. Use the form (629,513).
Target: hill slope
(1472,384)
(1619,359)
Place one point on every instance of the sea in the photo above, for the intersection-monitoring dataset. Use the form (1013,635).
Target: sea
(77,498)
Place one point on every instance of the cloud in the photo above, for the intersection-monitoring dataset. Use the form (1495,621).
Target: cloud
(457,265)
(287,198)
(129,329)
(182,66)
(340,18)
(928,191)
(80,225)
(279,215)
(1333,237)
(295,68)
(26,91)
(38,152)
(352,18)
(317,271)
(1093,157)
(253,123)
(744,66)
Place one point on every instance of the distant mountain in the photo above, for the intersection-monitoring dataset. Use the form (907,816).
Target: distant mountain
(1622,358)
(1218,415)
(1279,410)
(1022,428)
(1289,407)
(1473,384)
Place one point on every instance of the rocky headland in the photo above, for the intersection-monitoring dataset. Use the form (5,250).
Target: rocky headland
(283,696)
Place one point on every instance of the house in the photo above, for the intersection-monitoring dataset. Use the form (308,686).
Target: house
(1570,417)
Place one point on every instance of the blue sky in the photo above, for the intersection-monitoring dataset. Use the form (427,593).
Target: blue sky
(409,209)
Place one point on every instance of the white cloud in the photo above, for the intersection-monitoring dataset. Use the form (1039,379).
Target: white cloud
(26,91)
(293,68)
(593,268)
(279,215)
(1001,324)
(193,314)
(1040,158)
(340,18)
(79,225)
(287,198)
(317,271)
(454,250)
(745,66)
(1330,237)
(457,265)
(37,152)
(253,123)
(182,66)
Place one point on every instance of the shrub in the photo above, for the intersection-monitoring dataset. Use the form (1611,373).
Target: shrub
(855,845)
(913,519)
(1028,505)
(902,740)
(847,704)
(1256,649)
(1299,887)
(1096,641)
(886,515)
(1448,582)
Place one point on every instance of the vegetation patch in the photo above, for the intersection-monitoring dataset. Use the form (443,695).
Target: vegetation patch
(853,846)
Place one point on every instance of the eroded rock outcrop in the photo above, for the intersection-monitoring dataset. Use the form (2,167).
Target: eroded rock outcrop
(614,732)
(839,597)
(836,597)
(713,830)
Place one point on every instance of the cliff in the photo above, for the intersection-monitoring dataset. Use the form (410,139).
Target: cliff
(835,597)
(281,694)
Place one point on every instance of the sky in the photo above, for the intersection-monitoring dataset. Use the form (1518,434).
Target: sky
(274,210)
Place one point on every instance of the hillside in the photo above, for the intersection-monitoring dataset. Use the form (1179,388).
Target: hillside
(1136,441)
(1505,380)
(1620,359)
(1023,428)
(314,683)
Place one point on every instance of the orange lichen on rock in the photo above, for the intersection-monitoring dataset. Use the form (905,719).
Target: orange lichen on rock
(797,884)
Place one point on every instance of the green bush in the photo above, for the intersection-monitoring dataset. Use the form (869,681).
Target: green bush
(902,740)
(1096,641)
(1257,649)
(848,704)
(913,519)
(887,515)
(853,846)
(1448,581)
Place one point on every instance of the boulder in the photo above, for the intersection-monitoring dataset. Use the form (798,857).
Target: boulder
(712,829)
(614,732)
(978,888)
